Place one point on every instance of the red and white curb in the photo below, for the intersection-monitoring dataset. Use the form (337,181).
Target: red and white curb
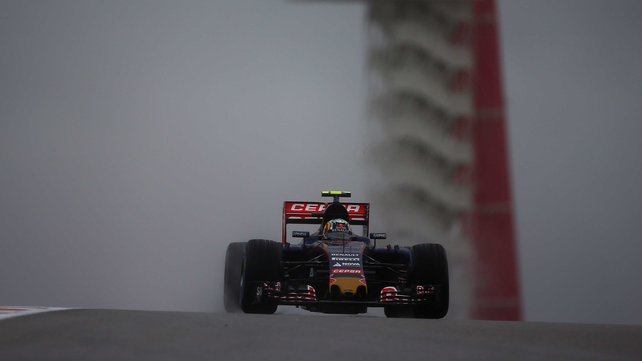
(17,311)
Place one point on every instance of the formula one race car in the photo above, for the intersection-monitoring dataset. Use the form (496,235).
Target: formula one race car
(333,270)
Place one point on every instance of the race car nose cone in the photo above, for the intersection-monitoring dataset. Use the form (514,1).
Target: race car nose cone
(348,287)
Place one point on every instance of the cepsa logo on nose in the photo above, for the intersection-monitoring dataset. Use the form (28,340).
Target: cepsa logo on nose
(316,207)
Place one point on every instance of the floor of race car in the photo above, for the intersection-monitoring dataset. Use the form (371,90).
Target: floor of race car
(140,335)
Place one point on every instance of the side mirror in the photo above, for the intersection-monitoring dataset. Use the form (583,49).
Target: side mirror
(375,237)
(300,234)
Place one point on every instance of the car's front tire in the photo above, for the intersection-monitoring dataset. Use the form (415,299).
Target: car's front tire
(397,311)
(262,263)
(430,266)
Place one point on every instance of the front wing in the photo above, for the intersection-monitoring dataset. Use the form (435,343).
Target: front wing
(388,296)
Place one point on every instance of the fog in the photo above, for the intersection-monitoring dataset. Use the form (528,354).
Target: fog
(573,73)
(138,138)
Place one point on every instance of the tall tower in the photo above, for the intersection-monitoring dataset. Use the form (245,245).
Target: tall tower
(439,143)
(497,293)
(437,112)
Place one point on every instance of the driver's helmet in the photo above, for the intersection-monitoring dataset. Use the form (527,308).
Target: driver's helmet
(337,227)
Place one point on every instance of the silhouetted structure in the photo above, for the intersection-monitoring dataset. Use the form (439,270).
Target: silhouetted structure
(440,143)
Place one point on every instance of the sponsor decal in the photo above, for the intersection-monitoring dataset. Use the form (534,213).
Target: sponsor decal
(353,208)
(345,264)
(321,207)
(346,271)
(349,259)
(345,260)
(303,207)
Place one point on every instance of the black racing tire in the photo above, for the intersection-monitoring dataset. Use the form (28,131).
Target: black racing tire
(233,271)
(430,266)
(262,263)
(398,311)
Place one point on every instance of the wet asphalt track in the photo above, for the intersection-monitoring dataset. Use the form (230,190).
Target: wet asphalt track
(138,335)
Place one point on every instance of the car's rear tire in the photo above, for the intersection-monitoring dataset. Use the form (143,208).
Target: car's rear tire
(430,266)
(233,271)
(262,263)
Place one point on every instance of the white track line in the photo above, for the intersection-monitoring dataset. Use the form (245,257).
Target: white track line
(17,311)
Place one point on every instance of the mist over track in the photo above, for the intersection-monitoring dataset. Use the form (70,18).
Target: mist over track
(143,335)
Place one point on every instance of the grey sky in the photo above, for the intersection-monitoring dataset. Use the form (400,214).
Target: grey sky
(138,138)
(574,90)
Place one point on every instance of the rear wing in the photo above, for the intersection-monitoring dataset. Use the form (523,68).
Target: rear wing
(312,213)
